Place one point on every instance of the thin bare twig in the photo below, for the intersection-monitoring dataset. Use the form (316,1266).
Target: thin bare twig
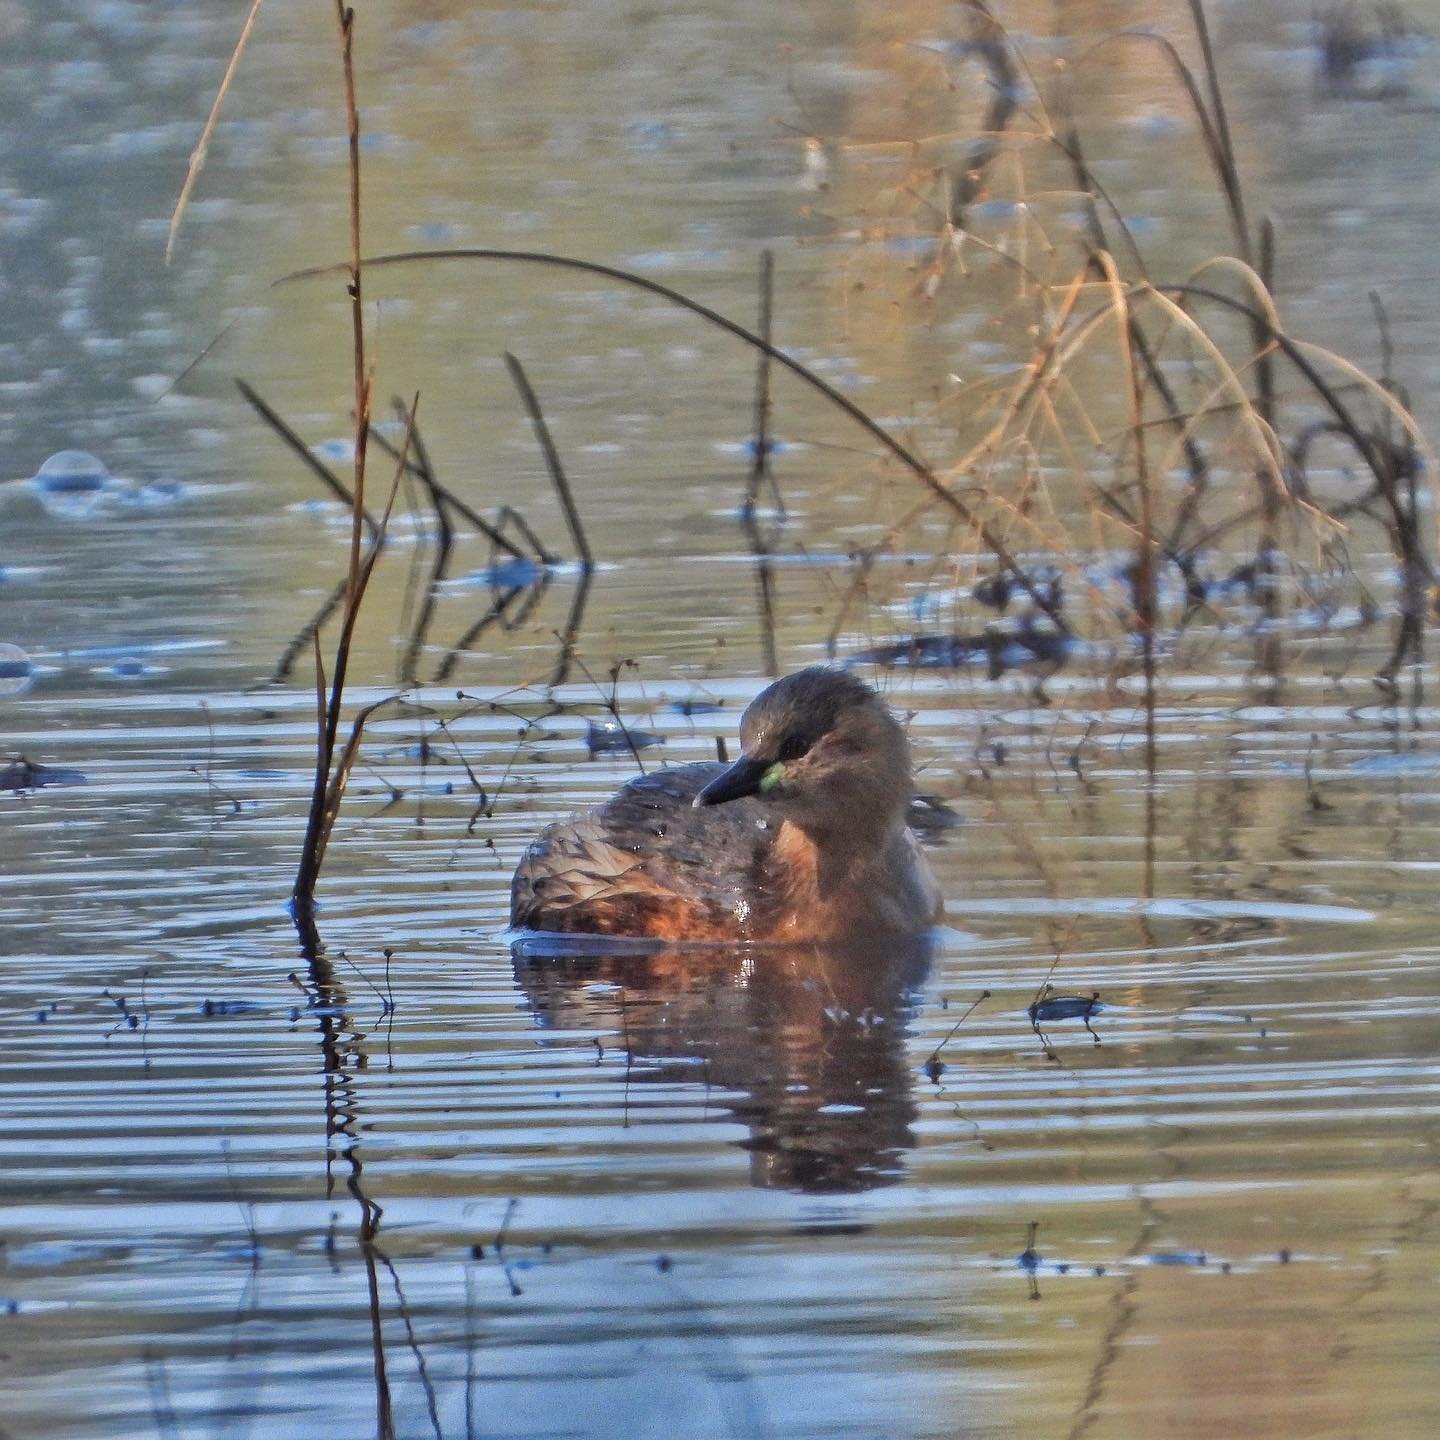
(552,459)
(202,146)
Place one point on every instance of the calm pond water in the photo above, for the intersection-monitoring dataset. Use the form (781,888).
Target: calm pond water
(535,1194)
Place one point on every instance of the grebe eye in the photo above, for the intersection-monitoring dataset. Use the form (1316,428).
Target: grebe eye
(793,748)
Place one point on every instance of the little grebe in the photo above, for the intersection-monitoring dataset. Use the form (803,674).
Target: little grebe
(803,838)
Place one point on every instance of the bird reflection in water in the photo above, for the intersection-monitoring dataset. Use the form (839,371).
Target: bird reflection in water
(807,1041)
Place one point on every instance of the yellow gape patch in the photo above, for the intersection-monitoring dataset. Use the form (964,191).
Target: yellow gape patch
(771,778)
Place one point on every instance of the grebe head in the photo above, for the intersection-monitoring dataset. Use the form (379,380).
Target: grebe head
(825,751)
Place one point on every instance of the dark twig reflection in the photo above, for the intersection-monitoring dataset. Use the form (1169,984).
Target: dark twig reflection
(761,443)
(494,615)
(439,566)
(302,642)
(764,590)
(445,500)
(532,595)
(810,1039)
(162,1408)
(988,43)
(570,635)
(341,1042)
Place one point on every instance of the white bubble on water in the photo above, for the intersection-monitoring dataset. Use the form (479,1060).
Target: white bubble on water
(17,670)
(70,482)
(71,470)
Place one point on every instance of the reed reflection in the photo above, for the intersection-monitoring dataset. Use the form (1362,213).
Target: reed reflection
(342,1053)
(807,1040)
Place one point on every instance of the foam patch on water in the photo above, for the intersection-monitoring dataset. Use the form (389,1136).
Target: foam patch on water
(1172,909)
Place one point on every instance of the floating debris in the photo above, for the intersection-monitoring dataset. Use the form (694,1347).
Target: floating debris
(609,736)
(1001,650)
(230,1007)
(996,591)
(1029,1259)
(690,708)
(23,774)
(1051,1008)
(930,815)
(1066,1007)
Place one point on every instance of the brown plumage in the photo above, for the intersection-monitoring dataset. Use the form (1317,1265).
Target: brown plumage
(803,838)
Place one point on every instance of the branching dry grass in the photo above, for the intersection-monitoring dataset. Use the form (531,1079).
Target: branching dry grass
(1181,410)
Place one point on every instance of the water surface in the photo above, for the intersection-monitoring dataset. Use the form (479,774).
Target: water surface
(667,1195)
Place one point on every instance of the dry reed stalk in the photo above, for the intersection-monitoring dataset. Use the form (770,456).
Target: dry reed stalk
(332,777)
(1144,584)
(202,146)
(345,22)
(552,461)
(305,454)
